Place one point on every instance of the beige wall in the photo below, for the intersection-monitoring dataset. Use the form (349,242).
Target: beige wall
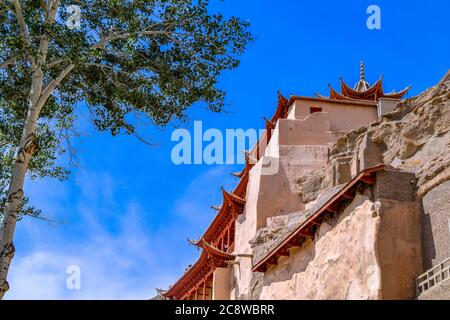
(272,147)
(221,284)
(399,248)
(386,105)
(245,231)
(296,145)
(345,116)
(278,194)
(314,129)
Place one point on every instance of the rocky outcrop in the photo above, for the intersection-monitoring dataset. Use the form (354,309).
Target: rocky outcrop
(415,137)
(340,263)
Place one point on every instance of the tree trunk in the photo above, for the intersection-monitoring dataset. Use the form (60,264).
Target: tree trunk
(15,192)
(14,199)
(37,99)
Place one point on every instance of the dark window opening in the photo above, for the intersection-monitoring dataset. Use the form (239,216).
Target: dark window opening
(315,109)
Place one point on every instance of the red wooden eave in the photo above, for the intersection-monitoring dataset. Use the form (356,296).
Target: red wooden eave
(225,217)
(215,253)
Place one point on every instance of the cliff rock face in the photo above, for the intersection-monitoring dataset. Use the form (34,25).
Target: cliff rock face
(340,264)
(414,137)
(390,233)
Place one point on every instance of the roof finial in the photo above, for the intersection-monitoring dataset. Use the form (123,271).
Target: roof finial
(362,75)
(362,84)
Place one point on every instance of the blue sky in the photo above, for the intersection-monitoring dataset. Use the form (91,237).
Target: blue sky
(127,210)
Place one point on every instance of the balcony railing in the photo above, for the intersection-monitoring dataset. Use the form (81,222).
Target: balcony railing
(434,276)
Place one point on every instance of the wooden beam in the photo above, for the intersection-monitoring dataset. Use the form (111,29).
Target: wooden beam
(204,290)
(261,268)
(368,179)
(283,252)
(306,233)
(334,208)
(294,243)
(272,261)
(349,194)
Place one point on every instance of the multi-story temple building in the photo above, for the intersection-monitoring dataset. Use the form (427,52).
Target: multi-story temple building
(273,235)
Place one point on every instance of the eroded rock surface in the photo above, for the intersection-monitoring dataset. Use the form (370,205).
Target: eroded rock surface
(414,137)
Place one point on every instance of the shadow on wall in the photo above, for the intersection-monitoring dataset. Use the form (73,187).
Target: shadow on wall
(428,247)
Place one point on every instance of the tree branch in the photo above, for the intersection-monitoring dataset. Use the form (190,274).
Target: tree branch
(50,14)
(7,6)
(51,10)
(143,140)
(8,62)
(144,32)
(113,37)
(53,84)
(38,96)
(21,21)
(56,62)
(26,36)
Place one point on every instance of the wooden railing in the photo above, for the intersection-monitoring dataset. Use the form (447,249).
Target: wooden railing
(434,276)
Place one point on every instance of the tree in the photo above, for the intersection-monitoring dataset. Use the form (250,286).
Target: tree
(42,164)
(152,58)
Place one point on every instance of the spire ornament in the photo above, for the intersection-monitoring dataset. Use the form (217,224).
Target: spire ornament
(362,85)
(362,74)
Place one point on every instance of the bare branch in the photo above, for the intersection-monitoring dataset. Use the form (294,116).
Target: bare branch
(53,84)
(118,36)
(143,140)
(48,5)
(46,219)
(25,35)
(73,159)
(8,62)
(51,10)
(56,62)
(7,6)
(21,21)
(50,19)
(145,32)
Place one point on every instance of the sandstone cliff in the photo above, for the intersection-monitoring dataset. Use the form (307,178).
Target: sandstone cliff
(415,138)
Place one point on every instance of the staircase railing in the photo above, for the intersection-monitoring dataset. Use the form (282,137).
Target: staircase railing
(434,276)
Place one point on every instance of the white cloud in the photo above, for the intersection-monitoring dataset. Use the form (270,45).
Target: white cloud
(113,265)
(202,193)
(122,258)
